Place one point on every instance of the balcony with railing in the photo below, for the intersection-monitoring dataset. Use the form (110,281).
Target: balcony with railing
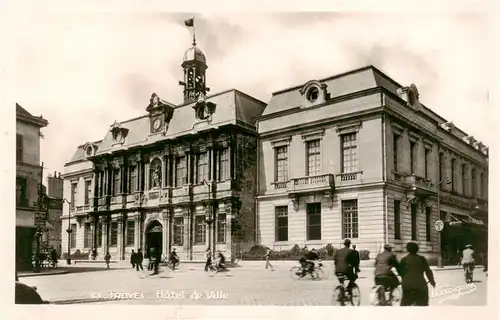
(419,185)
(348,178)
(311,183)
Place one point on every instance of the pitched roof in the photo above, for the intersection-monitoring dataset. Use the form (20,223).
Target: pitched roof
(23,115)
(232,107)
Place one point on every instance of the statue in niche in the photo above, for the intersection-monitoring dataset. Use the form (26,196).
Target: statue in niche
(156,176)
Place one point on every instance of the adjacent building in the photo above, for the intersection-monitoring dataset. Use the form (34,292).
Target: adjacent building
(28,183)
(51,237)
(358,156)
(181,176)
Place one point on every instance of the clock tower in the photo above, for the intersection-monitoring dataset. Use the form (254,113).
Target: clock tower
(195,66)
(160,114)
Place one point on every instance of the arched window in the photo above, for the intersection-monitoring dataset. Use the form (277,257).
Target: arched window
(155,174)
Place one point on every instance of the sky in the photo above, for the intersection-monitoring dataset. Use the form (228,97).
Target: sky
(84,70)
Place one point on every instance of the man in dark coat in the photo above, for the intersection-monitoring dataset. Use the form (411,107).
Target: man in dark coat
(132,259)
(356,253)
(138,260)
(412,270)
(345,263)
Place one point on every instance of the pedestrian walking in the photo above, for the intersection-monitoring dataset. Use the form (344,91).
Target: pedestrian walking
(268,257)
(413,267)
(156,263)
(107,258)
(94,254)
(208,256)
(358,260)
(138,260)
(150,259)
(133,258)
(53,257)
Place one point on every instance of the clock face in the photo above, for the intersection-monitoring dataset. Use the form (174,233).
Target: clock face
(157,123)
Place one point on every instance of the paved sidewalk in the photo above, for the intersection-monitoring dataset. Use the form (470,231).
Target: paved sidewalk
(46,272)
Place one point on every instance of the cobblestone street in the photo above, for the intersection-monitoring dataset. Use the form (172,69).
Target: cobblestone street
(240,286)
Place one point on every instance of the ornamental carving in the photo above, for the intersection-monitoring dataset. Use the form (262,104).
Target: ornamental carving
(118,132)
(155,173)
(158,216)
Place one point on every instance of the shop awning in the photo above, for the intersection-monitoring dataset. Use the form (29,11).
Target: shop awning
(459,219)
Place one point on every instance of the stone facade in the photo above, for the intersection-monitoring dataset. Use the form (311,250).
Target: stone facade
(28,182)
(331,144)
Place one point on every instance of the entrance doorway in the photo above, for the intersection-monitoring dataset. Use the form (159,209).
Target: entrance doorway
(154,234)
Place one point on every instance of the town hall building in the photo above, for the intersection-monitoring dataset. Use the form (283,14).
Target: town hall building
(181,176)
(358,156)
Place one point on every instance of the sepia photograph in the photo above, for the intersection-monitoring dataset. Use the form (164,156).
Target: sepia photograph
(252,159)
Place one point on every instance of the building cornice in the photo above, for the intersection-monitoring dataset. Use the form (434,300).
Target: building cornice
(69,175)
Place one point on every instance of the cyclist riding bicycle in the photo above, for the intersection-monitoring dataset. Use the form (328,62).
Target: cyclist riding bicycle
(221,260)
(468,260)
(345,264)
(384,276)
(307,262)
(173,258)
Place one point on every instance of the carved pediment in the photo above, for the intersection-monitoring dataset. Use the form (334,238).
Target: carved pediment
(204,109)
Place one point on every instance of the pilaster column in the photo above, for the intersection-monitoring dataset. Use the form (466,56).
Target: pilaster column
(120,235)
(189,167)
(232,157)
(165,247)
(210,164)
(187,231)
(137,231)
(229,241)
(109,180)
(105,236)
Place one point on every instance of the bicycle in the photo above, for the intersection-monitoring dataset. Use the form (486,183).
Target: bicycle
(342,294)
(317,273)
(170,264)
(212,269)
(384,296)
(468,273)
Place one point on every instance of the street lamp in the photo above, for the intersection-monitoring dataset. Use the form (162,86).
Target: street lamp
(209,216)
(69,231)
(440,257)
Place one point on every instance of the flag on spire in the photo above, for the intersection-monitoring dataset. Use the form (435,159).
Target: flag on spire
(189,22)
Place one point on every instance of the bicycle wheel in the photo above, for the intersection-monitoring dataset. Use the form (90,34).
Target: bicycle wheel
(375,295)
(397,295)
(211,271)
(337,294)
(319,274)
(296,273)
(355,298)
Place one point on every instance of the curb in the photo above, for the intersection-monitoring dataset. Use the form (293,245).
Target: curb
(51,273)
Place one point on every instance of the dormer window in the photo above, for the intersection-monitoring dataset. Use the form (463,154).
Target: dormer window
(204,109)
(118,132)
(90,151)
(312,94)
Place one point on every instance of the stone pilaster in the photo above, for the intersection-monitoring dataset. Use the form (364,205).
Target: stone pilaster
(120,236)
(165,225)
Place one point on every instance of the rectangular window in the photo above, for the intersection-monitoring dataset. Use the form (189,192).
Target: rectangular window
(178,231)
(281,213)
(200,228)
(113,241)
(130,233)
(464,178)
(221,228)
(201,167)
(413,221)
(441,166)
(99,235)
(224,168)
(428,215)
(313,158)
(349,153)
(74,194)
(453,170)
(87,240)
(116,182)
(426,164)
(473,182)
(22,192)
(313,221)
(350,220)
(73,236)
(19,147)
(413,153)
(180,171)
(397,219)
(133,179)
(281,154)
(88,191)
(395,150)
